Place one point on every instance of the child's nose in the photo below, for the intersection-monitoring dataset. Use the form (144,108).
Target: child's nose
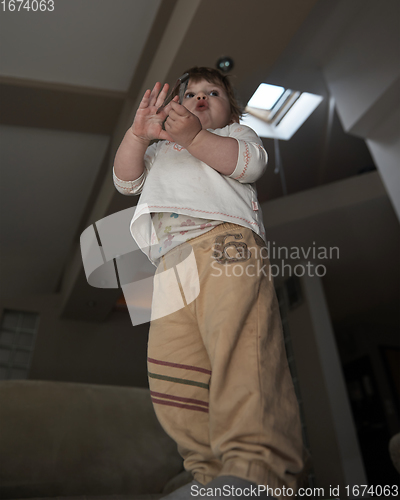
(201,95)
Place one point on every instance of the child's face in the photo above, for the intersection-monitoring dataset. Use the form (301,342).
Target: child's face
(209,102)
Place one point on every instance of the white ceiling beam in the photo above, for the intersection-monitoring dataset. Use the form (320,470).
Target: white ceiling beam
(323,199)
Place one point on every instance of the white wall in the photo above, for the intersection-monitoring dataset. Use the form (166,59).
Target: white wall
(363,76)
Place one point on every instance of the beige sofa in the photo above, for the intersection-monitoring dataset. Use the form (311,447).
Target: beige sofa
(77,440)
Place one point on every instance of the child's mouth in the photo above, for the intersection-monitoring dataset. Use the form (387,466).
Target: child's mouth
(201,106)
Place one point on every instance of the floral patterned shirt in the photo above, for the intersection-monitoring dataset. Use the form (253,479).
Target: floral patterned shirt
(170,230)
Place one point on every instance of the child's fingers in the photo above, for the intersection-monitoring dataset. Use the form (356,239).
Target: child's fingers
(145,99)
(162,95)
(167,108)
(178,108)
(154,94)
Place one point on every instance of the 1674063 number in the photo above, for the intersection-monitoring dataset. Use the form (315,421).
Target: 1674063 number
(377,490)
(27,5)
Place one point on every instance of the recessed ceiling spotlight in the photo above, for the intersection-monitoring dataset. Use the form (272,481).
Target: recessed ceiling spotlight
(225,64)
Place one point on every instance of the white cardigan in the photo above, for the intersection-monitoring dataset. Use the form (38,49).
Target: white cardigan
(175,181)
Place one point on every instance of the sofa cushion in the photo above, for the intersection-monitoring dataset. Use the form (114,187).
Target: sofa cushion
(68,439)
(112,497)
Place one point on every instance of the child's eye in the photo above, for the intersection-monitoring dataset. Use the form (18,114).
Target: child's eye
(188,95)
(214,93)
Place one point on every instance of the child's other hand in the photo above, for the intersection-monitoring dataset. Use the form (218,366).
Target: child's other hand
(147,124)
(181,125)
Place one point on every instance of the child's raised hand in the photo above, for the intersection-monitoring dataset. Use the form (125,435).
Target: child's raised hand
(181,124)
(147,124)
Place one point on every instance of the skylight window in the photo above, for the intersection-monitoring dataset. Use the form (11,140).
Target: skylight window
(265,96)
(277,113)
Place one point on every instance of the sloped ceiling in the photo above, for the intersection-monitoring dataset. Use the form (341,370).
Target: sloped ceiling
(70,81)
(94,44)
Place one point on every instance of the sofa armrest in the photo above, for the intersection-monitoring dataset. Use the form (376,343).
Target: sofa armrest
(68,439)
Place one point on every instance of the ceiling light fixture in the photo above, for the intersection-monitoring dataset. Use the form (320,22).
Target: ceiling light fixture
(225,64)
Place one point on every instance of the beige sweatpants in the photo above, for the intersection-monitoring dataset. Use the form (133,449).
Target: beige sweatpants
(218,372)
